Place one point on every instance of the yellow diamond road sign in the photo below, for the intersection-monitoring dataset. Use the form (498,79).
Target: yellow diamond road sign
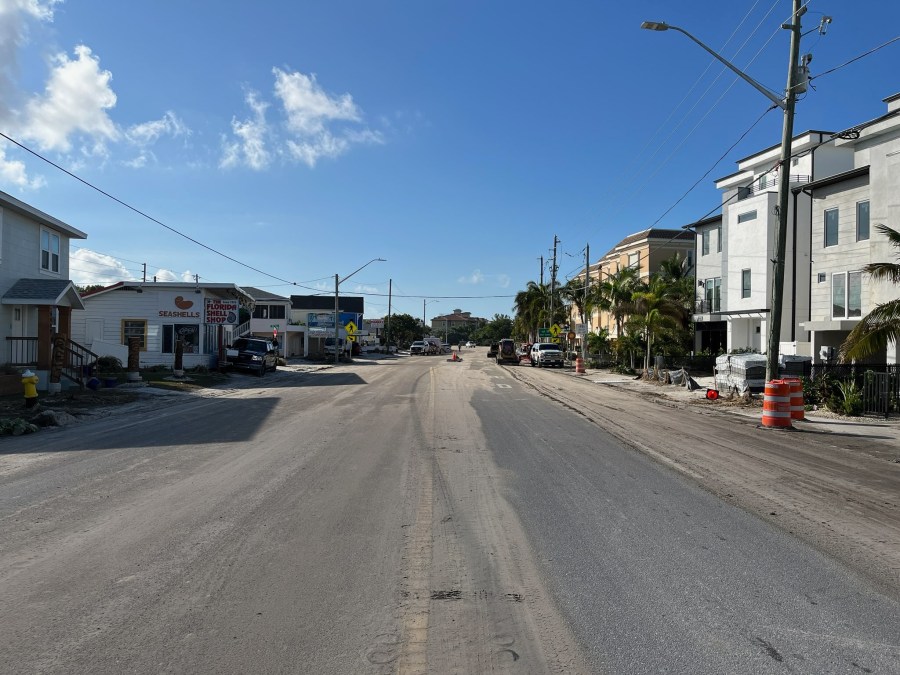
(351,338)
(555,330)
(350,328)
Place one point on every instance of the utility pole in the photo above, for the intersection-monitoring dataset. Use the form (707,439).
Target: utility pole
(542,270)
(388,331)
(144,275)
(586,317)
(553,279)
(783,190)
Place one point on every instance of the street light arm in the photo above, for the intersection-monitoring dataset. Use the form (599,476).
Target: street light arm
(361,268)
(661,26)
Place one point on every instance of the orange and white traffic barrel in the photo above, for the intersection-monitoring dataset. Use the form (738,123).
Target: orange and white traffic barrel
(797,404)
(777,405)
(579,365)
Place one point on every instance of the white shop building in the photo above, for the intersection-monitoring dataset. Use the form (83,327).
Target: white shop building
(203,316)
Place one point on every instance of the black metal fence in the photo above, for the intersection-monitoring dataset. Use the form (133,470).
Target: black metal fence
(879,383)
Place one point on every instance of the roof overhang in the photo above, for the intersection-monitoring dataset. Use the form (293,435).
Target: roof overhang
(43,292)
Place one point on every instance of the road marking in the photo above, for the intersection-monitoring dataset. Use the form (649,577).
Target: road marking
(504,386)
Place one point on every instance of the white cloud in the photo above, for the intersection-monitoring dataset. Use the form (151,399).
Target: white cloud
(12,172)
(165,275)
(476,277)
(359,288)
(75,100)
(88,267)
(250,146)
(316,125)
(148,133)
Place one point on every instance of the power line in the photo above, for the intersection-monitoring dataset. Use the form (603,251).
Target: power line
(855,58)
(136,210)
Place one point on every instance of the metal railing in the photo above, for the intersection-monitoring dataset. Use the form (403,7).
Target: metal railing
(79,363)
(22,351)
(708,307)
(878,383)
(747,191)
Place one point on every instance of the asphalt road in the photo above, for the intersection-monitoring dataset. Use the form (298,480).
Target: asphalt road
(406,516)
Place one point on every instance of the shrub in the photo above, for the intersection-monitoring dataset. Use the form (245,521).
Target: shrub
(109,364)
(852,401)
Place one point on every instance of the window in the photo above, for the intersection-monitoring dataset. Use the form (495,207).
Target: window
(719,238)
(634,260)
(261,312)
(705,243)
(762,182)
(862,221)
(690,260)
(188,333)
(276,311)
(846,295)
(135,328)
(831,227)
(744,217)
(745,283)
(49,251)
(744,192)
(713,294)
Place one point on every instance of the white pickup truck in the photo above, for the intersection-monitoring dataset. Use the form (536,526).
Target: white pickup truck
(546,354)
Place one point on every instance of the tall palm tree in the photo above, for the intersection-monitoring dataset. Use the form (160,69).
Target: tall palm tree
(532,307)
(675,272)
(882,325)
(658,307)
(573,293)
(614,293)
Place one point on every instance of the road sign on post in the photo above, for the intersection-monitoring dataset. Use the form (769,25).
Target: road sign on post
(544,332)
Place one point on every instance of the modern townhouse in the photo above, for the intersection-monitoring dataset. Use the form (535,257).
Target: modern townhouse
(38,298)
(735,273)
(846,207)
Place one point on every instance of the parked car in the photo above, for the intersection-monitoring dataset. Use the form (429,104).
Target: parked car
(524,352)
(253,354)
(546,354)
(492,350)
(470,345)
(418,347)
(506,352)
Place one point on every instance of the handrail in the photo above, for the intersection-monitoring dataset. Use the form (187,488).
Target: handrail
(79,362)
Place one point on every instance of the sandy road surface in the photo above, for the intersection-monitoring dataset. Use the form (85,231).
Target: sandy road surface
(841,493)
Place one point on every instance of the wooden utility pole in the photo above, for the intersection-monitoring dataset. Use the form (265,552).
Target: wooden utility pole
(783,191)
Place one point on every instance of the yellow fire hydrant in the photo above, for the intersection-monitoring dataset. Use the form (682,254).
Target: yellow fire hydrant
(29,382)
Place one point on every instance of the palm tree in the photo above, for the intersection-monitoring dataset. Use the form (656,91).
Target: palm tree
(882,325)
(573,293)
(657,307)
(532,308)
(613,295)
(675,272)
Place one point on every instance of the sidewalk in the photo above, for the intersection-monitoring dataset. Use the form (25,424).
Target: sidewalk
(821,420)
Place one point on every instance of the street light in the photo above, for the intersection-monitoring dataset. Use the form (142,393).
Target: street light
(787,133)
(337,312)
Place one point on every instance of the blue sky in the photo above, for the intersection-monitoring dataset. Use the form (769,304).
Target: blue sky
(455,140)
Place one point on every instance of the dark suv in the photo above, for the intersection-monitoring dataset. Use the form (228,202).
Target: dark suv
(506,352)
(253,354)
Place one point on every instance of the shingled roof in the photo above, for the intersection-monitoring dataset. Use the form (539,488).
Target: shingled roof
(43,292)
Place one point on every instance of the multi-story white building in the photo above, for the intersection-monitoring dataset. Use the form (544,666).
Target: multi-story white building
(734,268)
(842,185)
(845,209)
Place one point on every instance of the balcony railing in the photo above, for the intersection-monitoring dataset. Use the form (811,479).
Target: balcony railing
(708,307)
(770,185)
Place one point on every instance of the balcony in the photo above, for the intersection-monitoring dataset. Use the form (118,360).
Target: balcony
(708,306)
(770,185)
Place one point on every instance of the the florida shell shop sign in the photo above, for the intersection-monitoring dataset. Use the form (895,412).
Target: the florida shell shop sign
(220,312)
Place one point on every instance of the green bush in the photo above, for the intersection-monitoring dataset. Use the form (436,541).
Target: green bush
(851,402)
(109,364)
